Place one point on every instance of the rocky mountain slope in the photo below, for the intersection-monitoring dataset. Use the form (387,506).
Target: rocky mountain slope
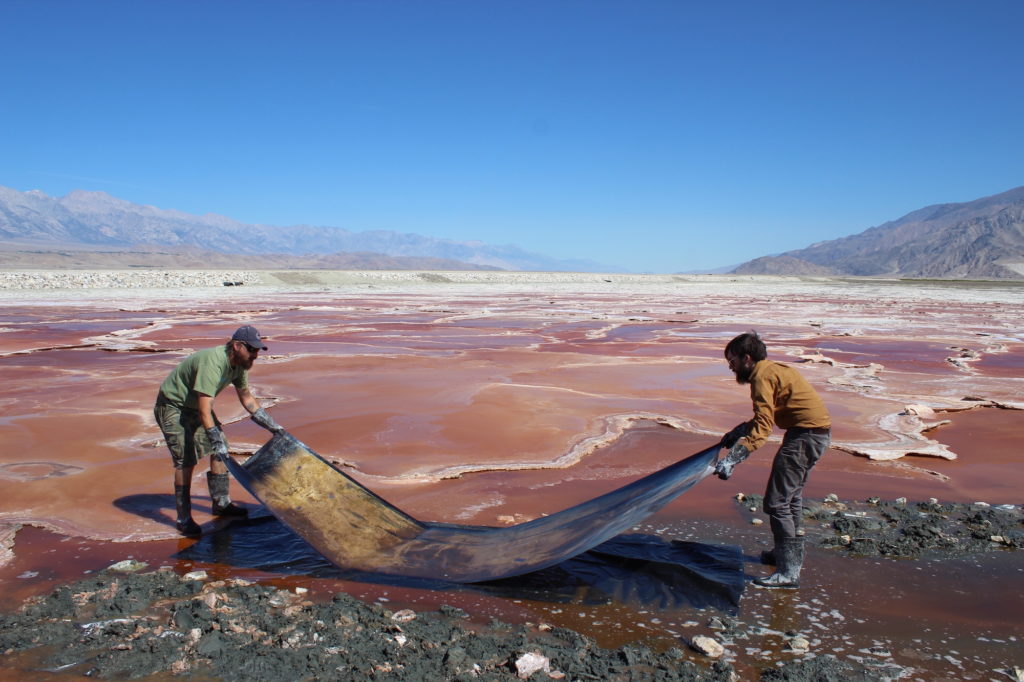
(84,222)
(981,239)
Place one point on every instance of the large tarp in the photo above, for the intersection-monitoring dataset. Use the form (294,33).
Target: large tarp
(356,529)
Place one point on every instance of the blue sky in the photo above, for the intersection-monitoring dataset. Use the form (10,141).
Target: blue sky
(658,136)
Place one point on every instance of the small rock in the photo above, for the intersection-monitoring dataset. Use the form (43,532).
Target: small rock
(799,645)
(933,500)
(1015,673)
(740,497)
(531,662)
(874,500)
(195,575)
(716,623)
(845,539)
(708,646)
(757,522)
(920,411)
(982,504)
(507,519)
(998,538)
(301,590)
(901,500)
(401,639)
(403,616)
(127,566)
(831,497)
(753,509)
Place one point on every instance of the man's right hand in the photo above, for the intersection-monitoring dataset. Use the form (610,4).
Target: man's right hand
(729,439)
(216,438)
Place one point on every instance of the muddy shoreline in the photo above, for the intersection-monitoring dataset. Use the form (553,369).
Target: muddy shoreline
(130,621)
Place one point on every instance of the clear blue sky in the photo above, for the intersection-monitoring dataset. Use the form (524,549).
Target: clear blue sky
(653,135)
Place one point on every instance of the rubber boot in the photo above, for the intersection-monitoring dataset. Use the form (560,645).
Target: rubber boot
(222,504)
(789,561)
(768,555)
(183,501)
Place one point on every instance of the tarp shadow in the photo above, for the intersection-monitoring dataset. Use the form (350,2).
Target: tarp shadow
(636,569)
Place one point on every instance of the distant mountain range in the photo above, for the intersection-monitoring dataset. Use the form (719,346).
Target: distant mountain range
(981,239)
(94,227)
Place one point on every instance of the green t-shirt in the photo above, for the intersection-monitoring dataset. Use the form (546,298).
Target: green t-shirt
(207,372)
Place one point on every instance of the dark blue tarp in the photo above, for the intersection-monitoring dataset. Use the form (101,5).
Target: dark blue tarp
(357,530)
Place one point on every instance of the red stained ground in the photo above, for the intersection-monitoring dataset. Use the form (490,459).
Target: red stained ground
(528,395)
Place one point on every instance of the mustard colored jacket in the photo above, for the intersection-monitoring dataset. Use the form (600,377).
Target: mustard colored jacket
(782,396)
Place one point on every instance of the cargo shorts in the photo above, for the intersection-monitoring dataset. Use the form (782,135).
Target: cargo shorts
(183,432)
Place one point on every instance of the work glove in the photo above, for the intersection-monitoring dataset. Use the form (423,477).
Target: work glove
(729,439)
(261,417)
(724,467)
(216,438)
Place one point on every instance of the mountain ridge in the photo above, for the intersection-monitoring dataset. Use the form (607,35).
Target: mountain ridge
(979,239)
(92,218)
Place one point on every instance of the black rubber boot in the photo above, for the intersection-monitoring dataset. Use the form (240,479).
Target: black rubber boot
(183,501)
(222,504)
(768,556)
(789,561)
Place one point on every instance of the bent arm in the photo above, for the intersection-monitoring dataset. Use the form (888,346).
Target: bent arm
(206,411)
(762,394)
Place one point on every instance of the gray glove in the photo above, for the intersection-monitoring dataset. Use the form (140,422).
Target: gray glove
(261,417)
(724,467)
(729,439)
(216,438)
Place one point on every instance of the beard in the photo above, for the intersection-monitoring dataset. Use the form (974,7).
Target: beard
(235,360)
(743,374)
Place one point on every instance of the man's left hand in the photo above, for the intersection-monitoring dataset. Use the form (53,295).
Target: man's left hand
(261,417)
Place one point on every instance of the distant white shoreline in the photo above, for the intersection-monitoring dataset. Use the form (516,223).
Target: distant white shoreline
(60,286)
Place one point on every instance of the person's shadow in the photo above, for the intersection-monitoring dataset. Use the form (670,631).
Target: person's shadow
(159,507)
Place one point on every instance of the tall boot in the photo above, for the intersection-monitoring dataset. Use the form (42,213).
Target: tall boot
(222,504)
(769,557)
(789,561)
(183,501)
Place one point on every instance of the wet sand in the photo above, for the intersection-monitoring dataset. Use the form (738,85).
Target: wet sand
(472,398)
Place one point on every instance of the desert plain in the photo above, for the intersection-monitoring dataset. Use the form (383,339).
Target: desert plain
(493,398)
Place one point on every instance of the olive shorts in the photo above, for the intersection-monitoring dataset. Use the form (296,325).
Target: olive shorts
(183,432)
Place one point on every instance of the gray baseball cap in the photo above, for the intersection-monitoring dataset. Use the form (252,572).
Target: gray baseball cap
(249,336)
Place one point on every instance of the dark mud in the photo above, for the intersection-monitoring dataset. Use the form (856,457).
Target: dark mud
(120,625)
(902,529)
(140,625)
(128,624)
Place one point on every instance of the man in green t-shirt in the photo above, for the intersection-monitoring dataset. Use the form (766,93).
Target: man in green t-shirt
(184,411)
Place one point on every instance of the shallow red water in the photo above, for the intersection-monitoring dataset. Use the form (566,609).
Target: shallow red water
(529,396)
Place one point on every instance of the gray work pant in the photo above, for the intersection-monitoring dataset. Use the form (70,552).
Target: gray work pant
(783,498)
